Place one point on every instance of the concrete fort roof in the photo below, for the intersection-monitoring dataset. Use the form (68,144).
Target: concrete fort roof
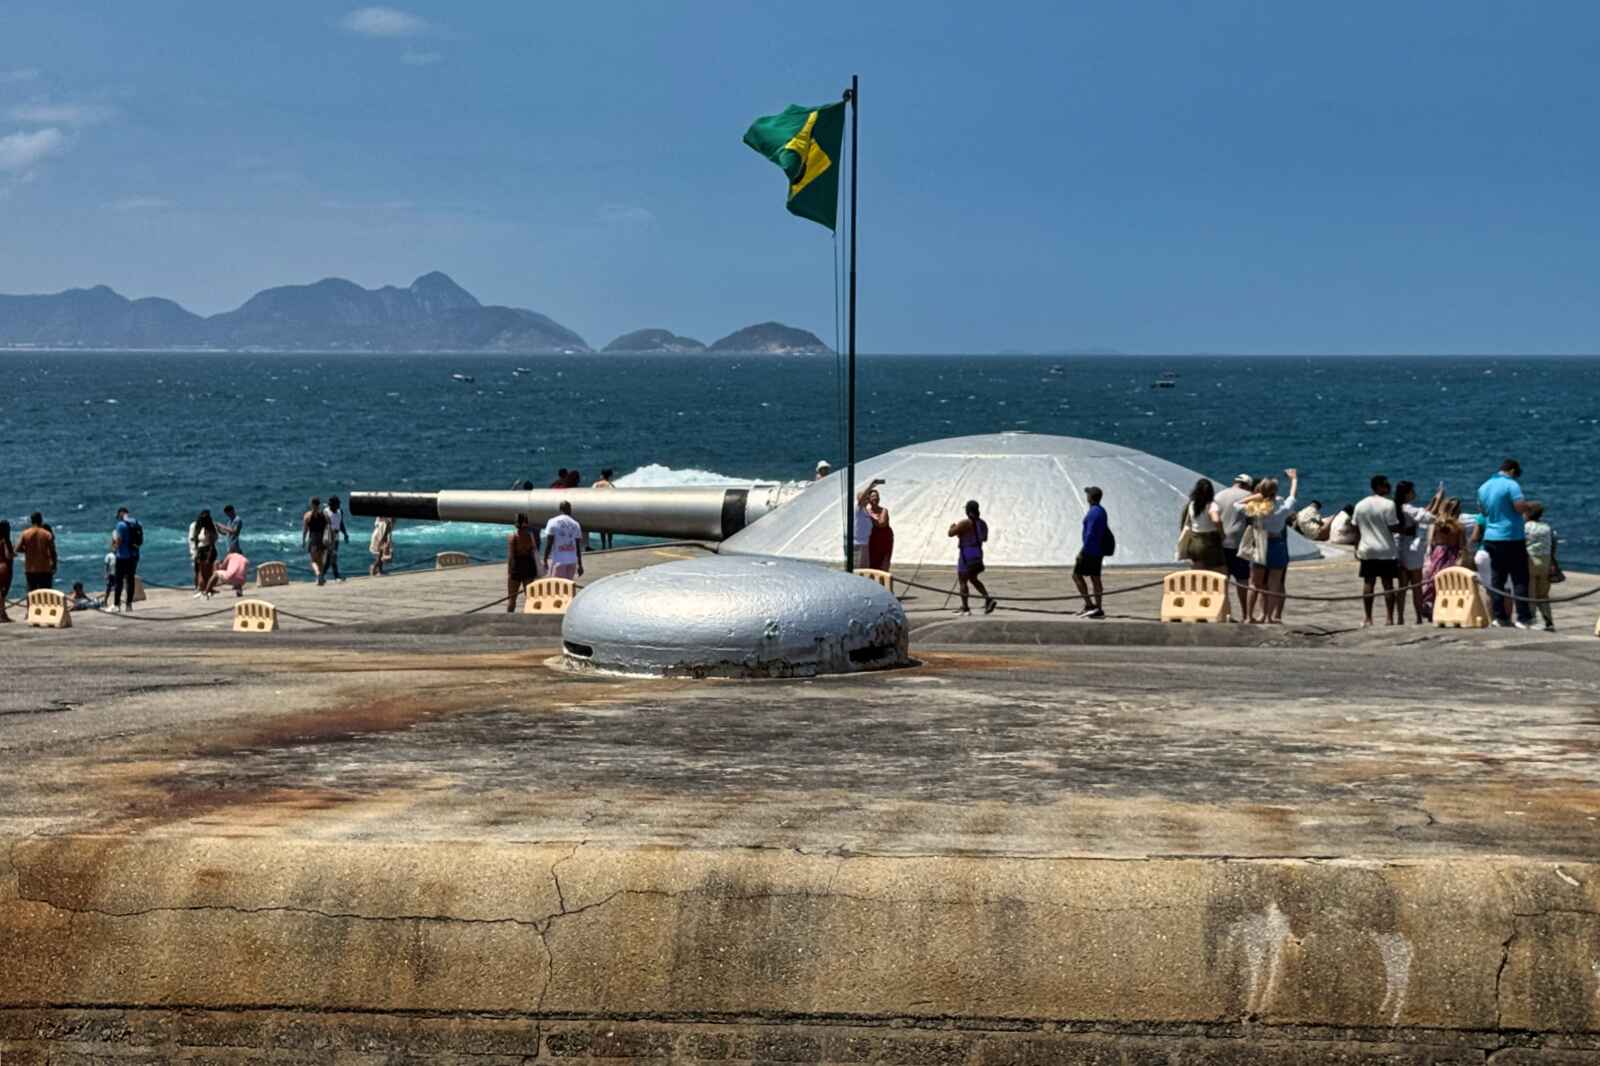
(1030,487)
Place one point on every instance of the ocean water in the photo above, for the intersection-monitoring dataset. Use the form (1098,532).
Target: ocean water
(168,434)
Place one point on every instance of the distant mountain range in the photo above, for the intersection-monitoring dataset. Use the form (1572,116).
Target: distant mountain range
(433,314)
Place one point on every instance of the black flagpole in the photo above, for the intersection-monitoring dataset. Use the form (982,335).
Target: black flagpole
(853,95)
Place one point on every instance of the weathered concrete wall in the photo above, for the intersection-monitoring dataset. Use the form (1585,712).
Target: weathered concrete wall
(1176,954)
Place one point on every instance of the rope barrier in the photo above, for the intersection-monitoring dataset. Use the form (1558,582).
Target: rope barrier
(303,618)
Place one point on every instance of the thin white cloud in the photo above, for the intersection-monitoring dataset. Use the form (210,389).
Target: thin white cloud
(420,59)
(377,205)
(62,114)
(384,22)
(10,77)
(141,203)
(626,213)
(21,152)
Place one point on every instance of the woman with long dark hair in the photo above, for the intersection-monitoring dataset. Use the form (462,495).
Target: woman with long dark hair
(203,546)
(8,553)
(1200,529)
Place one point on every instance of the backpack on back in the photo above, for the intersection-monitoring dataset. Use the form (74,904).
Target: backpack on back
(135,534)
(1108,542)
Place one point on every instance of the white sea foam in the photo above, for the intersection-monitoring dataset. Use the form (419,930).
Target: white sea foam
(654,475)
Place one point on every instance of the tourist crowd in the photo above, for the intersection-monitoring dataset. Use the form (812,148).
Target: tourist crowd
(1240,531)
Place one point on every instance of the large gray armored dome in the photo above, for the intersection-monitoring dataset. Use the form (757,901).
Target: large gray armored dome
(1029,486)
(739,617)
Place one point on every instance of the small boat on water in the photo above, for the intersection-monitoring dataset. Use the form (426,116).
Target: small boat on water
(1058,369)
(1167,380)
(465,379)
(521,370)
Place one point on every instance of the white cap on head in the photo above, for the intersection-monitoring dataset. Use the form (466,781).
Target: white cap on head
(1242,479)
(823,464)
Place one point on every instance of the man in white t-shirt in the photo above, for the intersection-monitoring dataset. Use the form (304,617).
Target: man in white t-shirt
(1377,519)
(563,545)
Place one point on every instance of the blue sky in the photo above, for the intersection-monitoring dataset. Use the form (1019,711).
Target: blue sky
(1154,177)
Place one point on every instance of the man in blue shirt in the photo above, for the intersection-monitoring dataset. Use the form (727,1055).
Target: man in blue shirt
(125,542)
(1092,556)
(1502,505)
(231,528)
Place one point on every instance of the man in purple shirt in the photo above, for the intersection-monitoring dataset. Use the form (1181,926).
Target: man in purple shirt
(1092,556)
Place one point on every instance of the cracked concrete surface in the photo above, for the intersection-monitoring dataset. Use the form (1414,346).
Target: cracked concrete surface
(1348,832)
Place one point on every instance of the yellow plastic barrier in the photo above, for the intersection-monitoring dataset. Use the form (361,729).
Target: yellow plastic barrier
(48,609)
(254,616)
(882,577)
(269,575)
(445,560)
(549,595)
(1194,596)
(1456,601)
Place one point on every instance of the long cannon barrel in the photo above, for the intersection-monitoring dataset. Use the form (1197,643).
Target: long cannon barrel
(682,513)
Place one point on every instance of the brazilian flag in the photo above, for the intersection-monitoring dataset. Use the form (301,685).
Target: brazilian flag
(806,143)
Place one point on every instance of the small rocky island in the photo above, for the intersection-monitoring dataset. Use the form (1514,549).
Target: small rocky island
(653,341)
(772,338)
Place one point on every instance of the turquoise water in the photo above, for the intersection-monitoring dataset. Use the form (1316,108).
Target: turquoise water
(168,434)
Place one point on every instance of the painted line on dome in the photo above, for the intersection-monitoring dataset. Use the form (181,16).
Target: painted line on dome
(1076,495)
(1150,473)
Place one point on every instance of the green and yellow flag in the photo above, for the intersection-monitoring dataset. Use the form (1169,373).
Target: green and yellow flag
(806,143)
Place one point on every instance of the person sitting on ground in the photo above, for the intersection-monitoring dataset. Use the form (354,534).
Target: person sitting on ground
(80,600)
(1091,556)
(1233,522)
(823,470)
(1271,517)
(1378,520)
(561,479)
(563,545)
(607,540)
(314,535)
(1412,546)
(522,561)
(1541,541)
(231,571)
(1308,521)
(573,478)
(1200,529)
(381,545)
(1342,527)
(971,533)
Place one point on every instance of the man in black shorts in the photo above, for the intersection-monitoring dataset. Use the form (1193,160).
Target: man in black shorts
(1233,523)
(1378,519)
(1091,557)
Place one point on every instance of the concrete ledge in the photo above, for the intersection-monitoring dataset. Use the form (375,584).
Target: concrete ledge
(226,1038)
(563,930)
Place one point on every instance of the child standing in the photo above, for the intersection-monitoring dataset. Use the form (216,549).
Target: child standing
(1541,540)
